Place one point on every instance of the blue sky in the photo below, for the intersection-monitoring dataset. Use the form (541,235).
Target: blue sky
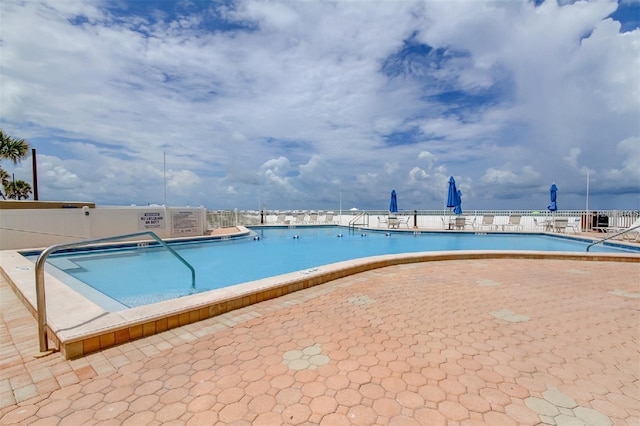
(298,105)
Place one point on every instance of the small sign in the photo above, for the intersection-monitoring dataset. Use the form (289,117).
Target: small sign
(151,220)
(185,222)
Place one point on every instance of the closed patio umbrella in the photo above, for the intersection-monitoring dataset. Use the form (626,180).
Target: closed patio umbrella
(393,204)
(553,194)
(458,208)
(452,195)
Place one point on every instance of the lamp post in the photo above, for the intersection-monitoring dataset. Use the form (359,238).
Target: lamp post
(34,169)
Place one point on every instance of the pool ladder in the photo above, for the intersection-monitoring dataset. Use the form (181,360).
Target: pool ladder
(41,305)
(364,217)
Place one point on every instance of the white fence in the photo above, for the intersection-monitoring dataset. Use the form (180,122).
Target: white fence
(37,227)
(530,220)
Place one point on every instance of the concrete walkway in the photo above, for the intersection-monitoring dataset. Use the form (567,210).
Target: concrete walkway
(457,342)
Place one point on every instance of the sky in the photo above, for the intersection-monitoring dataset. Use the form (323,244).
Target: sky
(325,104)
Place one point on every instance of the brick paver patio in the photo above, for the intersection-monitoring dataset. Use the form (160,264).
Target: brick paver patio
(457,342)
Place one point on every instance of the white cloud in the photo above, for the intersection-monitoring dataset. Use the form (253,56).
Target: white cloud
(417,174)
(572,157)
(298,105)
(428,158)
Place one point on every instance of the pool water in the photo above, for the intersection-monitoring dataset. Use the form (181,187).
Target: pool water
(136,276)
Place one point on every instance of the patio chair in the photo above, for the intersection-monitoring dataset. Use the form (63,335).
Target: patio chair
(382,220)
(460,222)
(404,220)
(575,225)
(328,218)
(488,221)
(543,223)
(313,218)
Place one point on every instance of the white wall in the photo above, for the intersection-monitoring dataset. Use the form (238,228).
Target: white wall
(35,228)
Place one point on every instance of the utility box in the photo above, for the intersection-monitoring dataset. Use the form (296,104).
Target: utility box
(600,222)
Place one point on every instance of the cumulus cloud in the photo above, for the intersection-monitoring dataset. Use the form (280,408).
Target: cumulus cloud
(572,157)
(428,158)
(286,102)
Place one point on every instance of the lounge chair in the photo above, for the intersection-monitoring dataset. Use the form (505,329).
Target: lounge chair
(382,220)
(313,218)
(515,223)
(328,218)
(488,221)
(282,218)
(633,232)
(471,223)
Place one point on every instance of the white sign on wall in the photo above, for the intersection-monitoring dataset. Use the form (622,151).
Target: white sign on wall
(151,220)
(185,222)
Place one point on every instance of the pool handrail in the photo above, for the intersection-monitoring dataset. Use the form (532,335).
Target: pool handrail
(624,231)
(353,222)
(41,305)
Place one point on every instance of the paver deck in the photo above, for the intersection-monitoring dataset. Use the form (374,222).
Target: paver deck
(502,341)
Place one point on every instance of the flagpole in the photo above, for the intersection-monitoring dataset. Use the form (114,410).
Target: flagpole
(164,175)
(341,205)
(588,224)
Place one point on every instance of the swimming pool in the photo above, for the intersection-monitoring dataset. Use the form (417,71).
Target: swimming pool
(130,276)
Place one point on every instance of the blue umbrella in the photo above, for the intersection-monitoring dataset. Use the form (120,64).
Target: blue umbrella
(553,206)
(458,208)
(452,196)
(393,205)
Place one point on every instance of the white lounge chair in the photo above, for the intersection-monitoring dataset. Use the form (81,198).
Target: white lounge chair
(488,221)
(382,220)
(515,223)
(633,232)
(471,222)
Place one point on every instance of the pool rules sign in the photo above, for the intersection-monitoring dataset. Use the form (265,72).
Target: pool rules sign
(185,223)
(151,220)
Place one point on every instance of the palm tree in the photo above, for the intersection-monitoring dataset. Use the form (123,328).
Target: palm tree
(18,190)
(14,150)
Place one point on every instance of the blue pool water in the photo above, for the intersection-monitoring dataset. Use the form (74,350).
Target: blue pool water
(137,276)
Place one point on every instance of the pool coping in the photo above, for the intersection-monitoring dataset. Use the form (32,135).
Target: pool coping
(82,327)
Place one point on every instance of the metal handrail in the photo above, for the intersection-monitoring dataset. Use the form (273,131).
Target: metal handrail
(633,228)
(41,305)
(352,222)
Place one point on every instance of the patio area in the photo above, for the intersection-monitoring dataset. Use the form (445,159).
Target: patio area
(486,341)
